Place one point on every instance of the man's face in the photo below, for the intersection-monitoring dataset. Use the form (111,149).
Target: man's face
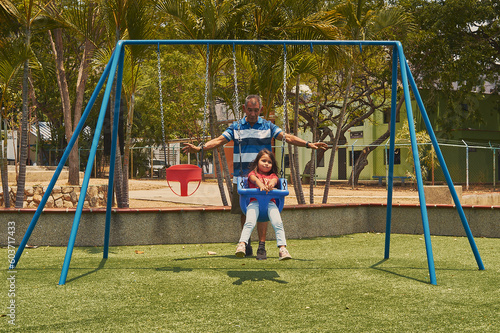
(252,110)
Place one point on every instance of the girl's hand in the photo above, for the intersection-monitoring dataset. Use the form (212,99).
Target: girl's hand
(269,184)
(262,187)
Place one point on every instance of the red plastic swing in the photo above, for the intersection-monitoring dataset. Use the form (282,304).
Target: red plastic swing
(183,173)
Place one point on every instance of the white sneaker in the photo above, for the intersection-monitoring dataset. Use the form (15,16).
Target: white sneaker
(284,255)
(240,250)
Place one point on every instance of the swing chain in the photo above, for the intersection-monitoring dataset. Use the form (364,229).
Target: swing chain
(237,107)
(282,171)
(161,106)
(202,143)
(236,93)
(206,97)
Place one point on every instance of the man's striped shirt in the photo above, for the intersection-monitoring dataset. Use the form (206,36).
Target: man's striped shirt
(253,140)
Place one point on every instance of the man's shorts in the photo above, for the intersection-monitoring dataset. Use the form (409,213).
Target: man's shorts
(235,201)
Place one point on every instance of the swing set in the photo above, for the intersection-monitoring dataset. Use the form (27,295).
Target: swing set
(181,173)
(114,68)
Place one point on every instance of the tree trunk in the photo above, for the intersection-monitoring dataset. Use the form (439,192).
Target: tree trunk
(128,138)
(212,123)
(58,52)
(3,165)
(120,187)
(337,137)
(294,158)
(312,162)
(227,175)
(70,125)
(21,180)
(362,161)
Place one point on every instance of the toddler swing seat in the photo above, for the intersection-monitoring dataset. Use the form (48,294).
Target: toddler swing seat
(183,173)
(262,197)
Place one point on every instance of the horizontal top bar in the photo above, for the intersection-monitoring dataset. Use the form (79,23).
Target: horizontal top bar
(257,42)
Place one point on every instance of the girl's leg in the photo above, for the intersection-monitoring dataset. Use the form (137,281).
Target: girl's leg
(251,221)
(275,218)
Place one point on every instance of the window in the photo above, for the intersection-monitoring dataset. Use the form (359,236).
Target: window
(320,162)
(397,156)
(356,156)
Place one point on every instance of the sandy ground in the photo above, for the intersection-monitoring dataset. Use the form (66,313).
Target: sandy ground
(337,194)
(150,193)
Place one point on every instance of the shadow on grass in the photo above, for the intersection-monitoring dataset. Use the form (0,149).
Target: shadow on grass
(174,269)
(386,270)
(101,266)
(96,250)
(231,257)
(254,276)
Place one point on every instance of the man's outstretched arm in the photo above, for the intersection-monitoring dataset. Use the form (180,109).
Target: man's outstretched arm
(212,144)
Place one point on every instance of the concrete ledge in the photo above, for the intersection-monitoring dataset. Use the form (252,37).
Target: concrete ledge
(217,224)
(440,194)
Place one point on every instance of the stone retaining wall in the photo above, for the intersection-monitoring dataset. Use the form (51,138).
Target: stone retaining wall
(216,224)
(61,196)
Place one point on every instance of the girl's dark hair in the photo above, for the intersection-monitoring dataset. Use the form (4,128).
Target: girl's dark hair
(255,164)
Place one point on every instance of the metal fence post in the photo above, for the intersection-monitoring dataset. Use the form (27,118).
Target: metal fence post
(494,165)
(466,165)
(353,164)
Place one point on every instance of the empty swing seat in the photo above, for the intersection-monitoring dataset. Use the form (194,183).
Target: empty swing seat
(278,194)
(183,173)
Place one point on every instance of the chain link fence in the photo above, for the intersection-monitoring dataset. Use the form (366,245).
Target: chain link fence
(469,164)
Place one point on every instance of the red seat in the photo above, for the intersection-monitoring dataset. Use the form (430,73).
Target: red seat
(184,173)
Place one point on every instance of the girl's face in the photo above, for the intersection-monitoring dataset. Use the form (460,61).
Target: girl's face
(265,164)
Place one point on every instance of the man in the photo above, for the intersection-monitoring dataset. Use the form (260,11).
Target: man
(255,134)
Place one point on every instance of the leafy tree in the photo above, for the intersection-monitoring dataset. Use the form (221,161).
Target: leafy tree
(182,81)
(263,65)
(454,51)
(426,153)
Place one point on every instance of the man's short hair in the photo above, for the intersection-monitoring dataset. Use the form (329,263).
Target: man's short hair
(249,97)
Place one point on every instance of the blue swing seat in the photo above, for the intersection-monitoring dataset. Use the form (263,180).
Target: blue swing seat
(262,197)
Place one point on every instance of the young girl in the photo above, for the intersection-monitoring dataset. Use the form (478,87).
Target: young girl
(263,176)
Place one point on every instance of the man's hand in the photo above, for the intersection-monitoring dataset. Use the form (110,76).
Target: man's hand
(318,145)
(189,147)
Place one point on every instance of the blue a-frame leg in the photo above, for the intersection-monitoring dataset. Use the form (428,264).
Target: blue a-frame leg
(398,57)
(61,164)
(115,65)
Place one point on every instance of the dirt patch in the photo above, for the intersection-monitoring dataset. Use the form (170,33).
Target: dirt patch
(338,193)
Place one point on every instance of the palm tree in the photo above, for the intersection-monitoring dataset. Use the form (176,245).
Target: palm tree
(125,20)
(11,64)
(306,20)
(29,17)
(81,18)
(206,19)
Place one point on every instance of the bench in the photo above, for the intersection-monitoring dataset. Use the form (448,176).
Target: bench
(380,178)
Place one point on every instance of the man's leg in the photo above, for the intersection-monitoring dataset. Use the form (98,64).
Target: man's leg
(261,250)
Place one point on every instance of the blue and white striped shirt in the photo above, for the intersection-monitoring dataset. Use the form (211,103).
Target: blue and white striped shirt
(253,140)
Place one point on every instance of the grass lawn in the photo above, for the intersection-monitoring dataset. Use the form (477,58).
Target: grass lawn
(333,284)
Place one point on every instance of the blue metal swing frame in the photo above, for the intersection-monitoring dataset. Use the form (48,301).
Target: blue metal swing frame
(115,68)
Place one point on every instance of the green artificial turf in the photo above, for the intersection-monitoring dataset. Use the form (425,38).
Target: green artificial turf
(333,284)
